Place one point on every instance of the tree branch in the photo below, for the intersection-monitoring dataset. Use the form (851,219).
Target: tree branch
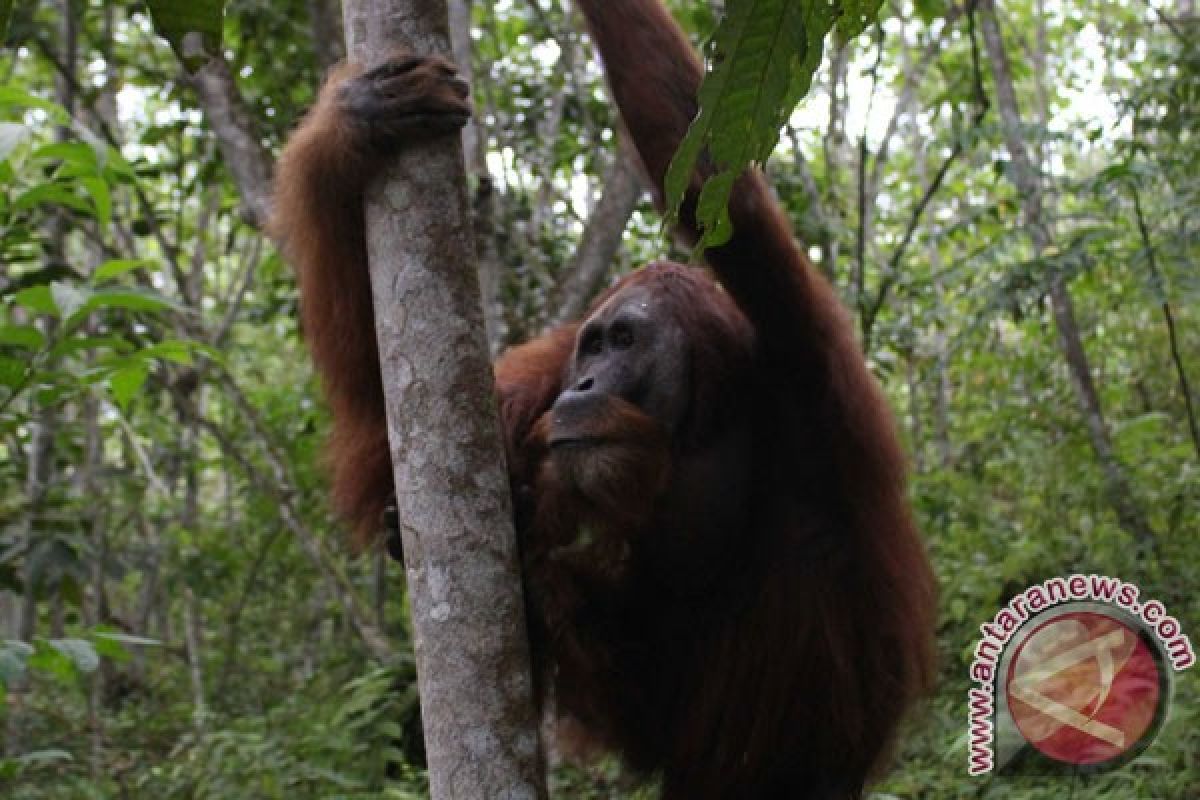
(237,138)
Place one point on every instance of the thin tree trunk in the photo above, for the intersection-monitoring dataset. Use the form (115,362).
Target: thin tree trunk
(95,515)
(191,639)
(95,610)
(916,429)
(481,732)
(941,381)
(1027,180)
(237,138)
(37,480)
(1156,280)
(148,592)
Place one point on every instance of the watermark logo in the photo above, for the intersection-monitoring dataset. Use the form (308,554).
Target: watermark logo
(1073,673)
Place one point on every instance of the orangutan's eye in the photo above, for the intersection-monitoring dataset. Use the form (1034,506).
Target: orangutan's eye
(621,337)
(592,344)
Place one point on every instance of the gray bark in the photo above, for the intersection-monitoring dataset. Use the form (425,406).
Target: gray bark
(242,150)
(1027,180)
(941,357)
(481,733)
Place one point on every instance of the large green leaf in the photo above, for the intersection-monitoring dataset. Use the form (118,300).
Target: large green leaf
(193,27)
(764,54)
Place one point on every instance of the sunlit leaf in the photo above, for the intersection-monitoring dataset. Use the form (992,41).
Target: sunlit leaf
(37,299)
(126,383)
(129,299)
(126,638)
(112,269)
(173,350)
(26,336)
(97,188)
(53,194)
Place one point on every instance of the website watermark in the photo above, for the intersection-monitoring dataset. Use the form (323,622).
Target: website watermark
(1074,672)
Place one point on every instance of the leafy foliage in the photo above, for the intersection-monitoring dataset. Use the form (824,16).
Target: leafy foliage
(763,56)
(160,430)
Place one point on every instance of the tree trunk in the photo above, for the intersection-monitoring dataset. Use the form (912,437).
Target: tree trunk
(481,734)
(237,137)
(1028,183)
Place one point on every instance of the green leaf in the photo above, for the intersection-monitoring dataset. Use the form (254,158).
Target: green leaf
(112,269)
(75,154)
(5,13)
(129,299)
(193,27)
(764,56)
(126,638)
(125,384)
(97,189)
(929,10)
(54,194)
(12,372)
(78,344)
(37,299)
(856,16)
(11,96)
(52,661)
(11,135)
(26,336)
(114,645)
(173,350)
(713,205)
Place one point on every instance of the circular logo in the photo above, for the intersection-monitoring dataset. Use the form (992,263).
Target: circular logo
(1085,688)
